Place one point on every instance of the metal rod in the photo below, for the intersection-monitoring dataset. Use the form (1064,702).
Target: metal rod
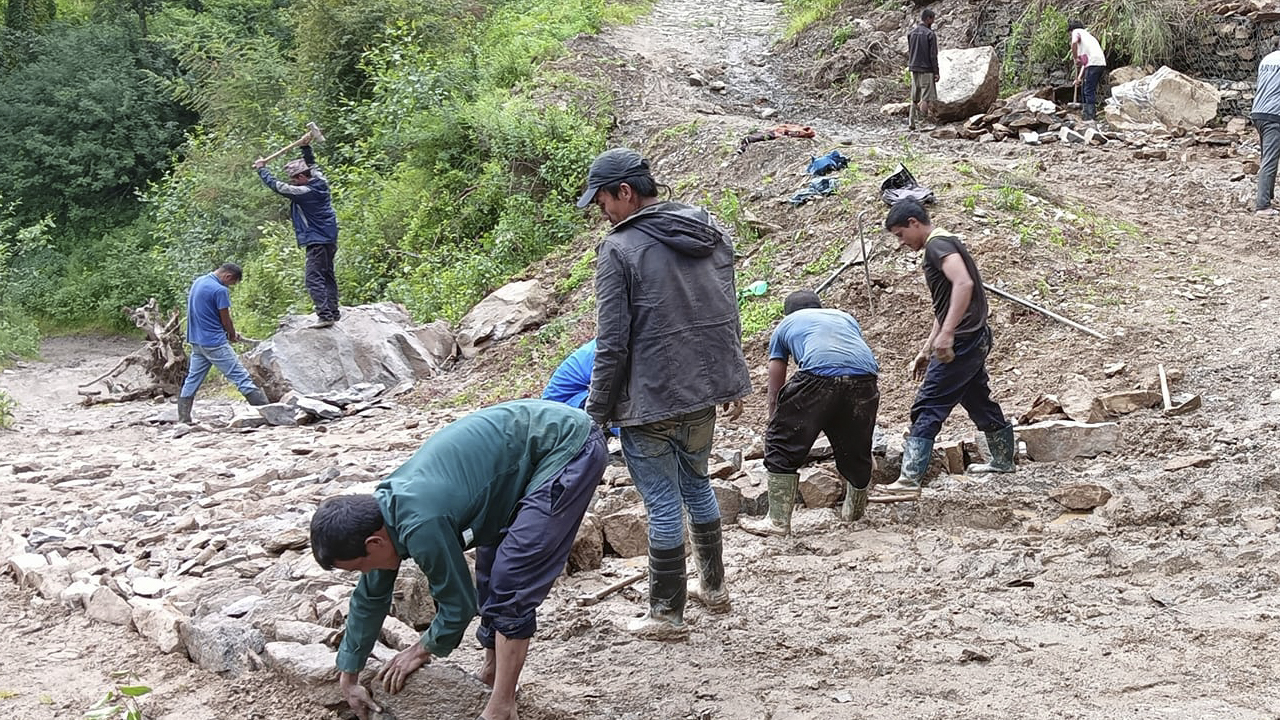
(1047,313)
(866,263)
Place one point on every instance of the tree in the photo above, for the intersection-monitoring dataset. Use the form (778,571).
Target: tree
(29,15)
(86,124)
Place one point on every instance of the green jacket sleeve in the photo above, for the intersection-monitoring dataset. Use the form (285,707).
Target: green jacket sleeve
(369,606)
(437,549)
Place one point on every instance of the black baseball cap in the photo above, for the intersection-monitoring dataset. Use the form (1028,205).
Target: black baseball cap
(610,167)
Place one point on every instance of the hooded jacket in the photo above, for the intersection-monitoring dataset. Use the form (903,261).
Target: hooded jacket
(669,341)
(310,207)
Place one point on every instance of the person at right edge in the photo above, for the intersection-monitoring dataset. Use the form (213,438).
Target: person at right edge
(668,351)
(1087,51)
(953,362)
(1266,117)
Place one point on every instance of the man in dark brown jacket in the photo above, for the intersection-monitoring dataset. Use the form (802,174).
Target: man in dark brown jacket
(922,61)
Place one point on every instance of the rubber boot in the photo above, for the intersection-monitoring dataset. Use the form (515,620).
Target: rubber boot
(708,553)
(1001,446)
(855,503)
(184,409)
(782,500)
(916,452)
(257,397)
(667,596)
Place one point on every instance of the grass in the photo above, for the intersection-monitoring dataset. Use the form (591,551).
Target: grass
(759,315)
(803,13)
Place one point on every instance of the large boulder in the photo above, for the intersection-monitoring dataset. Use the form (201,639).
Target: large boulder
(1165,97)
(1058,440)
(509,310)
(970,82)
(377,343)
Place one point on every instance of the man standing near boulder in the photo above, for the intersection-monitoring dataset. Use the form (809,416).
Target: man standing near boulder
(1087,51)
(834,392)
(953,360)
(1266,117)
(922,61)
(211,332)
(316,226)
(513,481)
(668,351)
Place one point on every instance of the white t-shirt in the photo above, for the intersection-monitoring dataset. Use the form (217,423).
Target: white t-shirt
(1087,44)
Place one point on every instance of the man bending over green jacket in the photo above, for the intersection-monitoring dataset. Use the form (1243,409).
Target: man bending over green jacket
(512,481)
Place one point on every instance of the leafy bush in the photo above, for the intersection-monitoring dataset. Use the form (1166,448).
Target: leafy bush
(8,406)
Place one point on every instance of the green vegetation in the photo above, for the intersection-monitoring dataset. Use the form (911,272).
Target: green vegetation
(8,406)
(829,260)
(582,270)
(454,147)
(120,703)
(803,13)
(759,315)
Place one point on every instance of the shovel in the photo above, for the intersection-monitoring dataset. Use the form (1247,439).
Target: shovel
(1185,404)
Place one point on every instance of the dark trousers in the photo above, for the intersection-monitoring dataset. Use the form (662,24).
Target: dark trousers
(962,381)
(322,286)
(514,576)
(1089,89)
(842,407)
(1269,138)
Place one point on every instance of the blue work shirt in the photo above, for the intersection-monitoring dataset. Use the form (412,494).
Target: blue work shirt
(824,342)
(208,296)
(571,382)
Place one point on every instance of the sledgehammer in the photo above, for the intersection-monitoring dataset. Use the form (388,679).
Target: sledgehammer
(312,135)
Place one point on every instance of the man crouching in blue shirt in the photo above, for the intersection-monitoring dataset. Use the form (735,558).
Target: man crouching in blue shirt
(834,392)
(513,481)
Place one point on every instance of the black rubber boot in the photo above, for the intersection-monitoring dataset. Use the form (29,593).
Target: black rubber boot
(668,594)
(257,397)
(708,552)
(1001,447)
(184,409)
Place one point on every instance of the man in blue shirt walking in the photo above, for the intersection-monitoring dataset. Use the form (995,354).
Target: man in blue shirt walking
(211,332)
(833,392)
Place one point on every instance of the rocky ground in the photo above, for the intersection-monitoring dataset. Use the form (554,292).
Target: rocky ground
(989,598)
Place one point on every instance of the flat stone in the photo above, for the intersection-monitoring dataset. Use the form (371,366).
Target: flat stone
(305,633)
(1189,461)
(1057,440)
(247,419)
(221,644)
(45,535)
(279,414)
(290,539)
(160,623)
(1084,496)
(1127,401)
(106,606)
(319,408)
(437,690)
(150,587)
(588,545)
(397,635)
(77,594)
(312,664)
(627,532)
(729,498)
(820,488)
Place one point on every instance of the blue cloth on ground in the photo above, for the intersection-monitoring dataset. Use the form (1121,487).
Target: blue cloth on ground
(824,342)
(817,188)
(830,162)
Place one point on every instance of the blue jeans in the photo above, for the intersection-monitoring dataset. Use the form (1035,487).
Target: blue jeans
(668,463)
(222,357)
(963,381)
(1089,88)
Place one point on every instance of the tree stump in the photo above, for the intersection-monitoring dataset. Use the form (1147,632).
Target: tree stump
(163,360)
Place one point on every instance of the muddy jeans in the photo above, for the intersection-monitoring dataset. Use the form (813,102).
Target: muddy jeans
(668,463)
(842,407)
(963,381)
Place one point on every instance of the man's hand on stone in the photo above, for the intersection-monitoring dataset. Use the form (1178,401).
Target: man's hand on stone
(732,410)
(357,696)
(405,663)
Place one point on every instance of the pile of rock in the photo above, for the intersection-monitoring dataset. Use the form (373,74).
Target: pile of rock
(1025,117)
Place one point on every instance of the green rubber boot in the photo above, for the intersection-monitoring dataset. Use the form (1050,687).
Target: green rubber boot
(916,452)
(855,503)
(1001,446)
(782,500)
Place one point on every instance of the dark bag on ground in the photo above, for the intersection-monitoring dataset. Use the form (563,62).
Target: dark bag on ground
(902,185)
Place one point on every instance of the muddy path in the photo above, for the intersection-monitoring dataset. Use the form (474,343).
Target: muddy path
(984,600)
